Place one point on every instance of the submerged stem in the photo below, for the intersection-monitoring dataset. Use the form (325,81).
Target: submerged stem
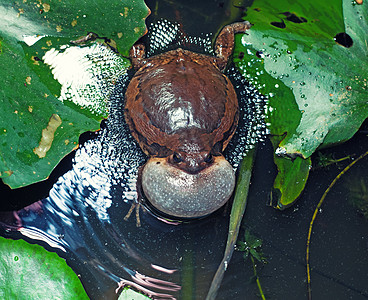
(315,215)
(257,278)
(236,216)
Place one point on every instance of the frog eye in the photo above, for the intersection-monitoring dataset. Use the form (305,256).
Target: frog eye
(209,158)
(177,158)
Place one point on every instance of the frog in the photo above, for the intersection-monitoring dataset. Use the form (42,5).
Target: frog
(183,110)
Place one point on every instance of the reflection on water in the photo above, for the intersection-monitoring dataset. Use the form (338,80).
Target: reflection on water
(88,230)
(83,216)
(82,219)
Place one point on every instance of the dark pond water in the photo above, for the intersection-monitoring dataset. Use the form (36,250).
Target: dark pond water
(79,214)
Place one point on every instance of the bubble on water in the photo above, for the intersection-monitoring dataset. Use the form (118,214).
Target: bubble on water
(110,161)
(252,113)
(280,151)
(165,35)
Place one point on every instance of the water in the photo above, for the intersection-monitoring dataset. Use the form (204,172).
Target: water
(82,219)
(80,215)
(105,249)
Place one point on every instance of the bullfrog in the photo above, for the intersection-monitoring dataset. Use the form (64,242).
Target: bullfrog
(183,110)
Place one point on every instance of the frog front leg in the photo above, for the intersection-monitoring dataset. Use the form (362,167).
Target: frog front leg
(137,56)
(224,44)
(138,203)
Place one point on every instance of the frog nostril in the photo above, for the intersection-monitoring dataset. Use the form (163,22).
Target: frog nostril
(209,158)
(176,158)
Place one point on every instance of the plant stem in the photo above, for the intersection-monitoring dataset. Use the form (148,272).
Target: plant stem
(315,215)
(257,278)
(236,216)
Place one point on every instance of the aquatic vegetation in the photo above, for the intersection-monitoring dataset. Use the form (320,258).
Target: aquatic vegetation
(323,160)
(251,246)
(315,79)
(309,63)
(31,96)
(317,209)
(358,188)
(25,266)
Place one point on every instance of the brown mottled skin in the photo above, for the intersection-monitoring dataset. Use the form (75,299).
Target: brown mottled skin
(180,106)
(195,109)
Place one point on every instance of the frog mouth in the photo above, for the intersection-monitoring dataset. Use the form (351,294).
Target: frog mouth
(180,194)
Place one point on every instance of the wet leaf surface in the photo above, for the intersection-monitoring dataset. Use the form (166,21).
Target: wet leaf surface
(290,180)
(314,70)
(128,294)
(30,272)
(121,21)
(30,96)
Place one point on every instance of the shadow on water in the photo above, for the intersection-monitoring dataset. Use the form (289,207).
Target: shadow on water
(80,216)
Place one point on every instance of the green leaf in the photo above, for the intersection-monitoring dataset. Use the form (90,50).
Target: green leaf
(251,240)
(291,178)
(27,106)
(241,246)
(37,129)
(128,294)
(30,272)
(256,255)
(122,21)
(318,87)
(255,243)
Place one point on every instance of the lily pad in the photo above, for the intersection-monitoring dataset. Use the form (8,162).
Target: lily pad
(37,129)
(30,272)
(122,21)
(128,294)
(300,55)
(292,175)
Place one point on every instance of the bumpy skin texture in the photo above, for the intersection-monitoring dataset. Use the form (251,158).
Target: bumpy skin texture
(180,102)
(183,111)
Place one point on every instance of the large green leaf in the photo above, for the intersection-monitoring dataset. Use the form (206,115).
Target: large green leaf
(317,88)
(122,21)
(30,272)
(327,81)
(37,130)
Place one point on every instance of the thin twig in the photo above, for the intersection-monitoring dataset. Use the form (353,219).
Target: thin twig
(257,278)
(315,215)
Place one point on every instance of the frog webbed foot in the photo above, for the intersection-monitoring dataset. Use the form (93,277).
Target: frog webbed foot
(137,204)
